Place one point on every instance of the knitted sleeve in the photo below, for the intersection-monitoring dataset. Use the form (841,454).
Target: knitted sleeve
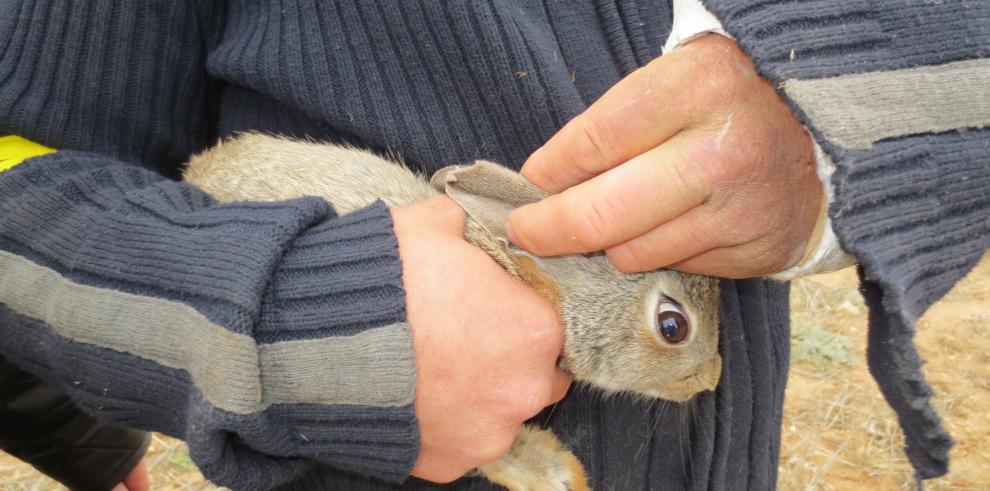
(269,336)
(898,93)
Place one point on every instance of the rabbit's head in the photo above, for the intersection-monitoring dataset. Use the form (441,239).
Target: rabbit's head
(653,334)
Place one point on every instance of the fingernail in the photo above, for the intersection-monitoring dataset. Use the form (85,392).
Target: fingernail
(527,168)
(508,231)
(534,156)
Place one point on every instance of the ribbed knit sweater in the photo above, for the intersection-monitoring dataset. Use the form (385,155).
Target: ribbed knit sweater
(272,337)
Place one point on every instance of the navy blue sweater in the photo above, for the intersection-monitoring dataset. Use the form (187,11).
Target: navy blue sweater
(272,337)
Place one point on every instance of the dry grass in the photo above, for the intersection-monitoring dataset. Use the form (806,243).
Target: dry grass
(838,432)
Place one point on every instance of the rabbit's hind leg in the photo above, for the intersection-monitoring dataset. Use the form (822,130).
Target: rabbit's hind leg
(537,461)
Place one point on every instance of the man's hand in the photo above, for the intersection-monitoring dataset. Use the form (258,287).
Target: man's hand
(693,162)
(136,480)
(486,345)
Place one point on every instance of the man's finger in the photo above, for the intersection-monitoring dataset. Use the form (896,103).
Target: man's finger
(137,479)
(749,260)
(560,385)
(724,262)
(687,236)
(616,206)
(627,120)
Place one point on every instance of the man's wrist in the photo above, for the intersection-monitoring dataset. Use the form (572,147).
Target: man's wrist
(823,254)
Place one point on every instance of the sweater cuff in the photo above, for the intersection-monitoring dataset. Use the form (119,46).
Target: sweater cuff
(333,339)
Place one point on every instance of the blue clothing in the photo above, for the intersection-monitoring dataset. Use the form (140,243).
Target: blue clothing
(213,307)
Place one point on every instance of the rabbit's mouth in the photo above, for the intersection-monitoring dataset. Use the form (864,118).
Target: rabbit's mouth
(681,390)
(676,396)
(705,378)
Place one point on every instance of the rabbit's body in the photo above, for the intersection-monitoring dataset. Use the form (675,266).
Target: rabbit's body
(257,167)
(612,338)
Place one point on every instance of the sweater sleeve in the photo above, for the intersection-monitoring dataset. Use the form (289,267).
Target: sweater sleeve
(898,93)
(269,336)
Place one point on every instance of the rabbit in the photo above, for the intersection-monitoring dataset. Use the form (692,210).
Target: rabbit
(653,334)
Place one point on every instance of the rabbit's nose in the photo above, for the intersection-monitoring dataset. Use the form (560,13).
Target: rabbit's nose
(710,372)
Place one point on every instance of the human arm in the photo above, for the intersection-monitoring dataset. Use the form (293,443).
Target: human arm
(128,347)
(268,336)
(898,93)
(909,148)
(40,426)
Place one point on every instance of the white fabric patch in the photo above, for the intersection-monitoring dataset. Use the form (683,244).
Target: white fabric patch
(691,19)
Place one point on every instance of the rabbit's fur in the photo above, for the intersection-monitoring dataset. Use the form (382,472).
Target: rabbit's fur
(611,338)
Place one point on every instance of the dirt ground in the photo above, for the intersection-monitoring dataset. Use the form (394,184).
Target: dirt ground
(839,434)
(838,431)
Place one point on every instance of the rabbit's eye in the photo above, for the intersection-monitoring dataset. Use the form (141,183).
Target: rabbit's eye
(672,324)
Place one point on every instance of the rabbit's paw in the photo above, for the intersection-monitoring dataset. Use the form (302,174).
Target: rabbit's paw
(537,461)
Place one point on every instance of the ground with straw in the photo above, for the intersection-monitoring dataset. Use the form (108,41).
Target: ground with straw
(838,434)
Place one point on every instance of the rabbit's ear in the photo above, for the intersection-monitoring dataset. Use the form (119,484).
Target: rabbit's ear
(488,192)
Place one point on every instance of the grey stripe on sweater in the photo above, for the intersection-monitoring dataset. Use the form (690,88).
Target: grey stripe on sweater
(856,110)
(231,371)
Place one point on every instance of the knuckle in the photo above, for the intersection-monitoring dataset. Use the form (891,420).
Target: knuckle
(593,221)
(532,400)
(544,344)
(594,142)
(713,82)
(530,395)
(639,255)
(516,400)
(686,179)
(726,56)
(542,395)
(498,444)
(550,330)
(549,347)
(554,388)
(447,475)
(559,392)
(626,258)
(720,55)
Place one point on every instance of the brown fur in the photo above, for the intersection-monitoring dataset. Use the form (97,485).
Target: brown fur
(611,340)
(537,461)
(530,273)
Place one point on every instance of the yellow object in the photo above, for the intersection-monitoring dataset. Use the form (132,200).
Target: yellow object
(14,150)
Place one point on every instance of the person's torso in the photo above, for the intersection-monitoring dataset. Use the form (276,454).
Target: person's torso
(438,83)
